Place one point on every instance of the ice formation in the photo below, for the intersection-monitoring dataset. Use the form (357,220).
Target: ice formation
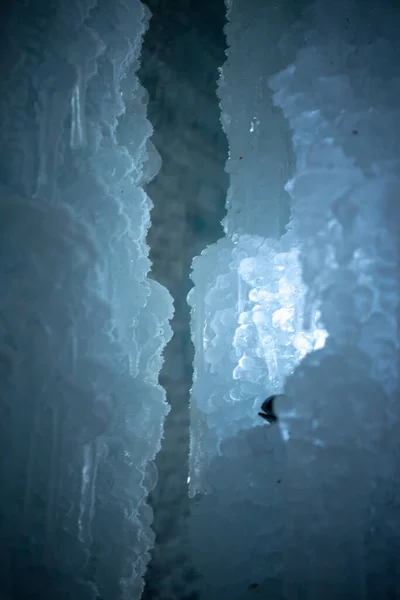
(82,326)
(343,450)
(313,512)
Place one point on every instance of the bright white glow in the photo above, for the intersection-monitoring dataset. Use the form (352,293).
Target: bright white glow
(320,336)
(275,331)
(282,317)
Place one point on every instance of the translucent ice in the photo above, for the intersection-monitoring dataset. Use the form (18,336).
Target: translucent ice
(82,328)
(313,313)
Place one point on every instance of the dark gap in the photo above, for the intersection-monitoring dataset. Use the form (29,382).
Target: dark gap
(182,51)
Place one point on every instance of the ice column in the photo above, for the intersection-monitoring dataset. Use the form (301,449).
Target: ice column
(340,96)
(313,312)
(233,291)
(82,328)
(247,325)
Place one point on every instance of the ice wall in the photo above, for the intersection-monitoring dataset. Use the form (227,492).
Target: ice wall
(342,481)
(313,313)
(82,326)
(225,400)
(236,466)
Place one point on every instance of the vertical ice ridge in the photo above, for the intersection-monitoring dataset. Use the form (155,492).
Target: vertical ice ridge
(348,238)
(320,313)
(83,55)
(233,461)
(256,204)
(79,308)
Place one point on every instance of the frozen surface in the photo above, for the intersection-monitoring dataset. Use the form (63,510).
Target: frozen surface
(82,328)
(344,426)
(259,163)
(260,157)
(315,314)
(249,334)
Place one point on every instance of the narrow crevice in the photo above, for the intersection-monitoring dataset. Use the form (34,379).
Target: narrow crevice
(182,52)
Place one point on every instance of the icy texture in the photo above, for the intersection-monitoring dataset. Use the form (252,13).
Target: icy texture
(343,423)
(236,530)
(249,336)
(82,328)
(271,331)
(240,323)
(257,205)
(314,314)
(260,157)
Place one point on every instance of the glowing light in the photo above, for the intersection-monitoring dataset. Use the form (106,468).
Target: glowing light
(271,326)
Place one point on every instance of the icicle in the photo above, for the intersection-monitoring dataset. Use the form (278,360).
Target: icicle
(51,109)
(78,114)
(200,331)
(91,455)
(240,307)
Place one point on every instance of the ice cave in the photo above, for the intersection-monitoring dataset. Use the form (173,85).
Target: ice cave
(198,216)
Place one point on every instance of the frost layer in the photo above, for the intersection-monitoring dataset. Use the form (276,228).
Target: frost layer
(82,328)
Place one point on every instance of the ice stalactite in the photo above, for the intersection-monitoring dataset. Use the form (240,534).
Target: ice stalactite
(82,55)
(54,92)
(92,452)
(82,326)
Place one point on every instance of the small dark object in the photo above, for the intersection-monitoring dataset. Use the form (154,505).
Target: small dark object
(267,408)
(355,132)
(252,586)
